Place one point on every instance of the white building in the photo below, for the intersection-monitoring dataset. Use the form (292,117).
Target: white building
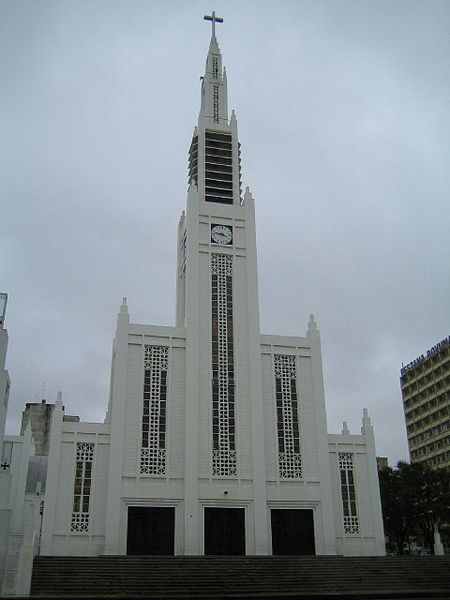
(215,439)
(21,490)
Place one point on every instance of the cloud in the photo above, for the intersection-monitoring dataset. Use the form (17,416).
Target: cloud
(343,114)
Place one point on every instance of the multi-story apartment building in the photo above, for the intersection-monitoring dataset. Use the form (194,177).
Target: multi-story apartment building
(425,384)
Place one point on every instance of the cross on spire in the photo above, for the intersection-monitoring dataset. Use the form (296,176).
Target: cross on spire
(213,20)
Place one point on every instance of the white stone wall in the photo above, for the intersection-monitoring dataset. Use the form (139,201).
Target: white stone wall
(58,538)
(235,217)
(176,411)
(133,407)
(139,489)
(243,490)
(139,337)
(370,539)
(118,483)
(308,425)
(13,505)
(318,489)
(241,303)
(313,489)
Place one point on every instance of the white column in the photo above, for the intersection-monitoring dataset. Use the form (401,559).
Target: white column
(374,485)
(255,384)
(48,519)
(118,402)
(180,287)
(328,545)
(5,518)
(18,502)
(31,519)
(191,509)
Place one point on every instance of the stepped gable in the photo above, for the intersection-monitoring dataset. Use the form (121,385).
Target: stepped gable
(242,577)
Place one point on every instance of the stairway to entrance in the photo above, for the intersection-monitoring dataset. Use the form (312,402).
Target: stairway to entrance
(240,577)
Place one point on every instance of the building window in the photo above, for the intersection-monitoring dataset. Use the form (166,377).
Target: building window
(82,487)
(154,414)
(223,421)
(348,494)
(289,455)
(6,456)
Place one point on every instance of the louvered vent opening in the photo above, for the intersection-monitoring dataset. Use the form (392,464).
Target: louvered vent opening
(218,167)
(193,161)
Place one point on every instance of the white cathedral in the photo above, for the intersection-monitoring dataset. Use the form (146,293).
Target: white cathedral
(215,439)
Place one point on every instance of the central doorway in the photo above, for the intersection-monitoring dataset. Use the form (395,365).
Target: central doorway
(224,530)
(292,531)
(151,530)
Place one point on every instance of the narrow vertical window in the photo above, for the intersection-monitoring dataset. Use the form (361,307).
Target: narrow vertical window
(223,423)
(346,473)
(82,487)
(289,454)
(153,450)
(7,456)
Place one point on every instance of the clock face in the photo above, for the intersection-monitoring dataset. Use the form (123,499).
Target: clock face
(221,234)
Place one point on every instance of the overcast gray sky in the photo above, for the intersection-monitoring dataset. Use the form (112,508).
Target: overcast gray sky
(343,115)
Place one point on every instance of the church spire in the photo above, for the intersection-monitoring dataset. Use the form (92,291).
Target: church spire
(214,154)
(214,105)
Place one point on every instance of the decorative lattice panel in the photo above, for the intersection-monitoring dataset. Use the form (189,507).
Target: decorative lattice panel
(351,525)
(154,414)
(215,103)
(80,522)
(289,455)
(215,67)
(224,422)
(82,487)
(348,493)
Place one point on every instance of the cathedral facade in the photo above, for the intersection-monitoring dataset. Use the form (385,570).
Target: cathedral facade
(215,438)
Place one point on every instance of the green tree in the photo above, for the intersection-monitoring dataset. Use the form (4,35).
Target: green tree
(434,506)
(415,500)
(398,510)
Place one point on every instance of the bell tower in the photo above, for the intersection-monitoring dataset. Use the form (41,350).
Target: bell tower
(217,303)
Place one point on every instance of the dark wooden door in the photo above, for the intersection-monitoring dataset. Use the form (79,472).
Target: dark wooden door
(292,531)
(224,530)
(151,530)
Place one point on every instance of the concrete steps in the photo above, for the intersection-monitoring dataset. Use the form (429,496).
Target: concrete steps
(241,577)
